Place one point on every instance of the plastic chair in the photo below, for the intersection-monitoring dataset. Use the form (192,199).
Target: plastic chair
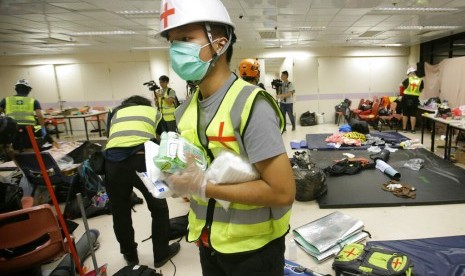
(29,165)
(29,238)
(355,111)
(56,122)
(393,118)
(344,114)
(373,117)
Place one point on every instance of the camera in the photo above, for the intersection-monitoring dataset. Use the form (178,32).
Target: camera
(152,85)
(276,83)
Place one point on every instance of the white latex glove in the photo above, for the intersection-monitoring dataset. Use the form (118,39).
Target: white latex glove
(190,181)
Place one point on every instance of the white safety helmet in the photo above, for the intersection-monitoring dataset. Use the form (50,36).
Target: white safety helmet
(411,69)
(175,13)
(23,82)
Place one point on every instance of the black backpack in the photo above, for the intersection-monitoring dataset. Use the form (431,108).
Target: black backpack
(10,197)
(7,130)
(308,119)
(137,270)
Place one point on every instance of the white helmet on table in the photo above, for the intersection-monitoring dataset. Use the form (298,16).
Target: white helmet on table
(175,13)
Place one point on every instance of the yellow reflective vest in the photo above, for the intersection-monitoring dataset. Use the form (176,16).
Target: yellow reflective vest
(132,126)
(413,87)
(166,110)
(21,109)
(243,227)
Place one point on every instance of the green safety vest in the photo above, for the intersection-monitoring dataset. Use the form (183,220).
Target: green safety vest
(166,111)
(21,109)
(413,87)
(132,126)
(242,227)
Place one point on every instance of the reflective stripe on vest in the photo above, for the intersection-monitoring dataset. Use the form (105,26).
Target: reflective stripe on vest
(243,227)
(413,87)
(21,109)
(132,126)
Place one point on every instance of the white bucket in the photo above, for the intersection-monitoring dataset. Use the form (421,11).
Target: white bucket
(320,119)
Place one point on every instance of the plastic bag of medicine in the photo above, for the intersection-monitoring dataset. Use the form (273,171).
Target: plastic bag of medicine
(414,164)
(173,152)
(229,167)
(158,188)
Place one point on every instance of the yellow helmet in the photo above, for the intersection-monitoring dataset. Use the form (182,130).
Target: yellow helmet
(249,68)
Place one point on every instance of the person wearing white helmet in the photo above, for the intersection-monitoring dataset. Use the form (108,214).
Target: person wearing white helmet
(413,87)
(24,110)
(225,113)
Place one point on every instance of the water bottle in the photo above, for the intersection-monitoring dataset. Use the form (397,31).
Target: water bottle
(292,250)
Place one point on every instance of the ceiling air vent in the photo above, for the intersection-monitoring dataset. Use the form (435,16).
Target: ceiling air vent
(369,33)
(268,35)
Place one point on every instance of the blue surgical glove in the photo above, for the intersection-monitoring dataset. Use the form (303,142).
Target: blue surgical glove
(44,131)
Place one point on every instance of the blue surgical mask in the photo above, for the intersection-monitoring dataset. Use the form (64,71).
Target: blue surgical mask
(186,62)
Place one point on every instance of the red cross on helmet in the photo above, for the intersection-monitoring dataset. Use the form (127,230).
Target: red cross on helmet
(175,13)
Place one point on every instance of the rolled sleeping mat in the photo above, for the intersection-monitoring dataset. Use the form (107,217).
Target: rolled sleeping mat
(387,169)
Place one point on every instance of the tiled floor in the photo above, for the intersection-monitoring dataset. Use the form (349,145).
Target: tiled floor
(383,223)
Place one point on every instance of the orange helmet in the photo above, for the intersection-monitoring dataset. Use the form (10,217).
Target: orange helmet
(249,68)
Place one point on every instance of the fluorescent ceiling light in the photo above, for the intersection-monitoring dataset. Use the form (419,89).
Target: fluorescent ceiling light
(103,33)
(62,45)
(310,28)
(415,9)
(149,48)
(392,45)
(418,28)
(134,12)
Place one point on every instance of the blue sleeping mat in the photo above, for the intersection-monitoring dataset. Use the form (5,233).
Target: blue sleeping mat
(432,256)
(317,141)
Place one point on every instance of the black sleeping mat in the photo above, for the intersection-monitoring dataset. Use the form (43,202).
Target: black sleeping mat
(438,182)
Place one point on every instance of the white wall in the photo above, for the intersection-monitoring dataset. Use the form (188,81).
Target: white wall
(322,77)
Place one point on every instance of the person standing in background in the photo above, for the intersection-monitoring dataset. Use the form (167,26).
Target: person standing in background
(410,100)
(132,124)
(24,110)
(226,113)
(286,98)
(166,102)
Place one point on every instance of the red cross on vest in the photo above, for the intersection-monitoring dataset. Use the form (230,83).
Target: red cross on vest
(396,262)
(222,139)
(164,16)
(413,85)
(351,252)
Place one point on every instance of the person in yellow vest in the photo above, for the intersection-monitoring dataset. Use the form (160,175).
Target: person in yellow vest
(132,124)
(226,113)
(166,102)
(413,87)
(24,110)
